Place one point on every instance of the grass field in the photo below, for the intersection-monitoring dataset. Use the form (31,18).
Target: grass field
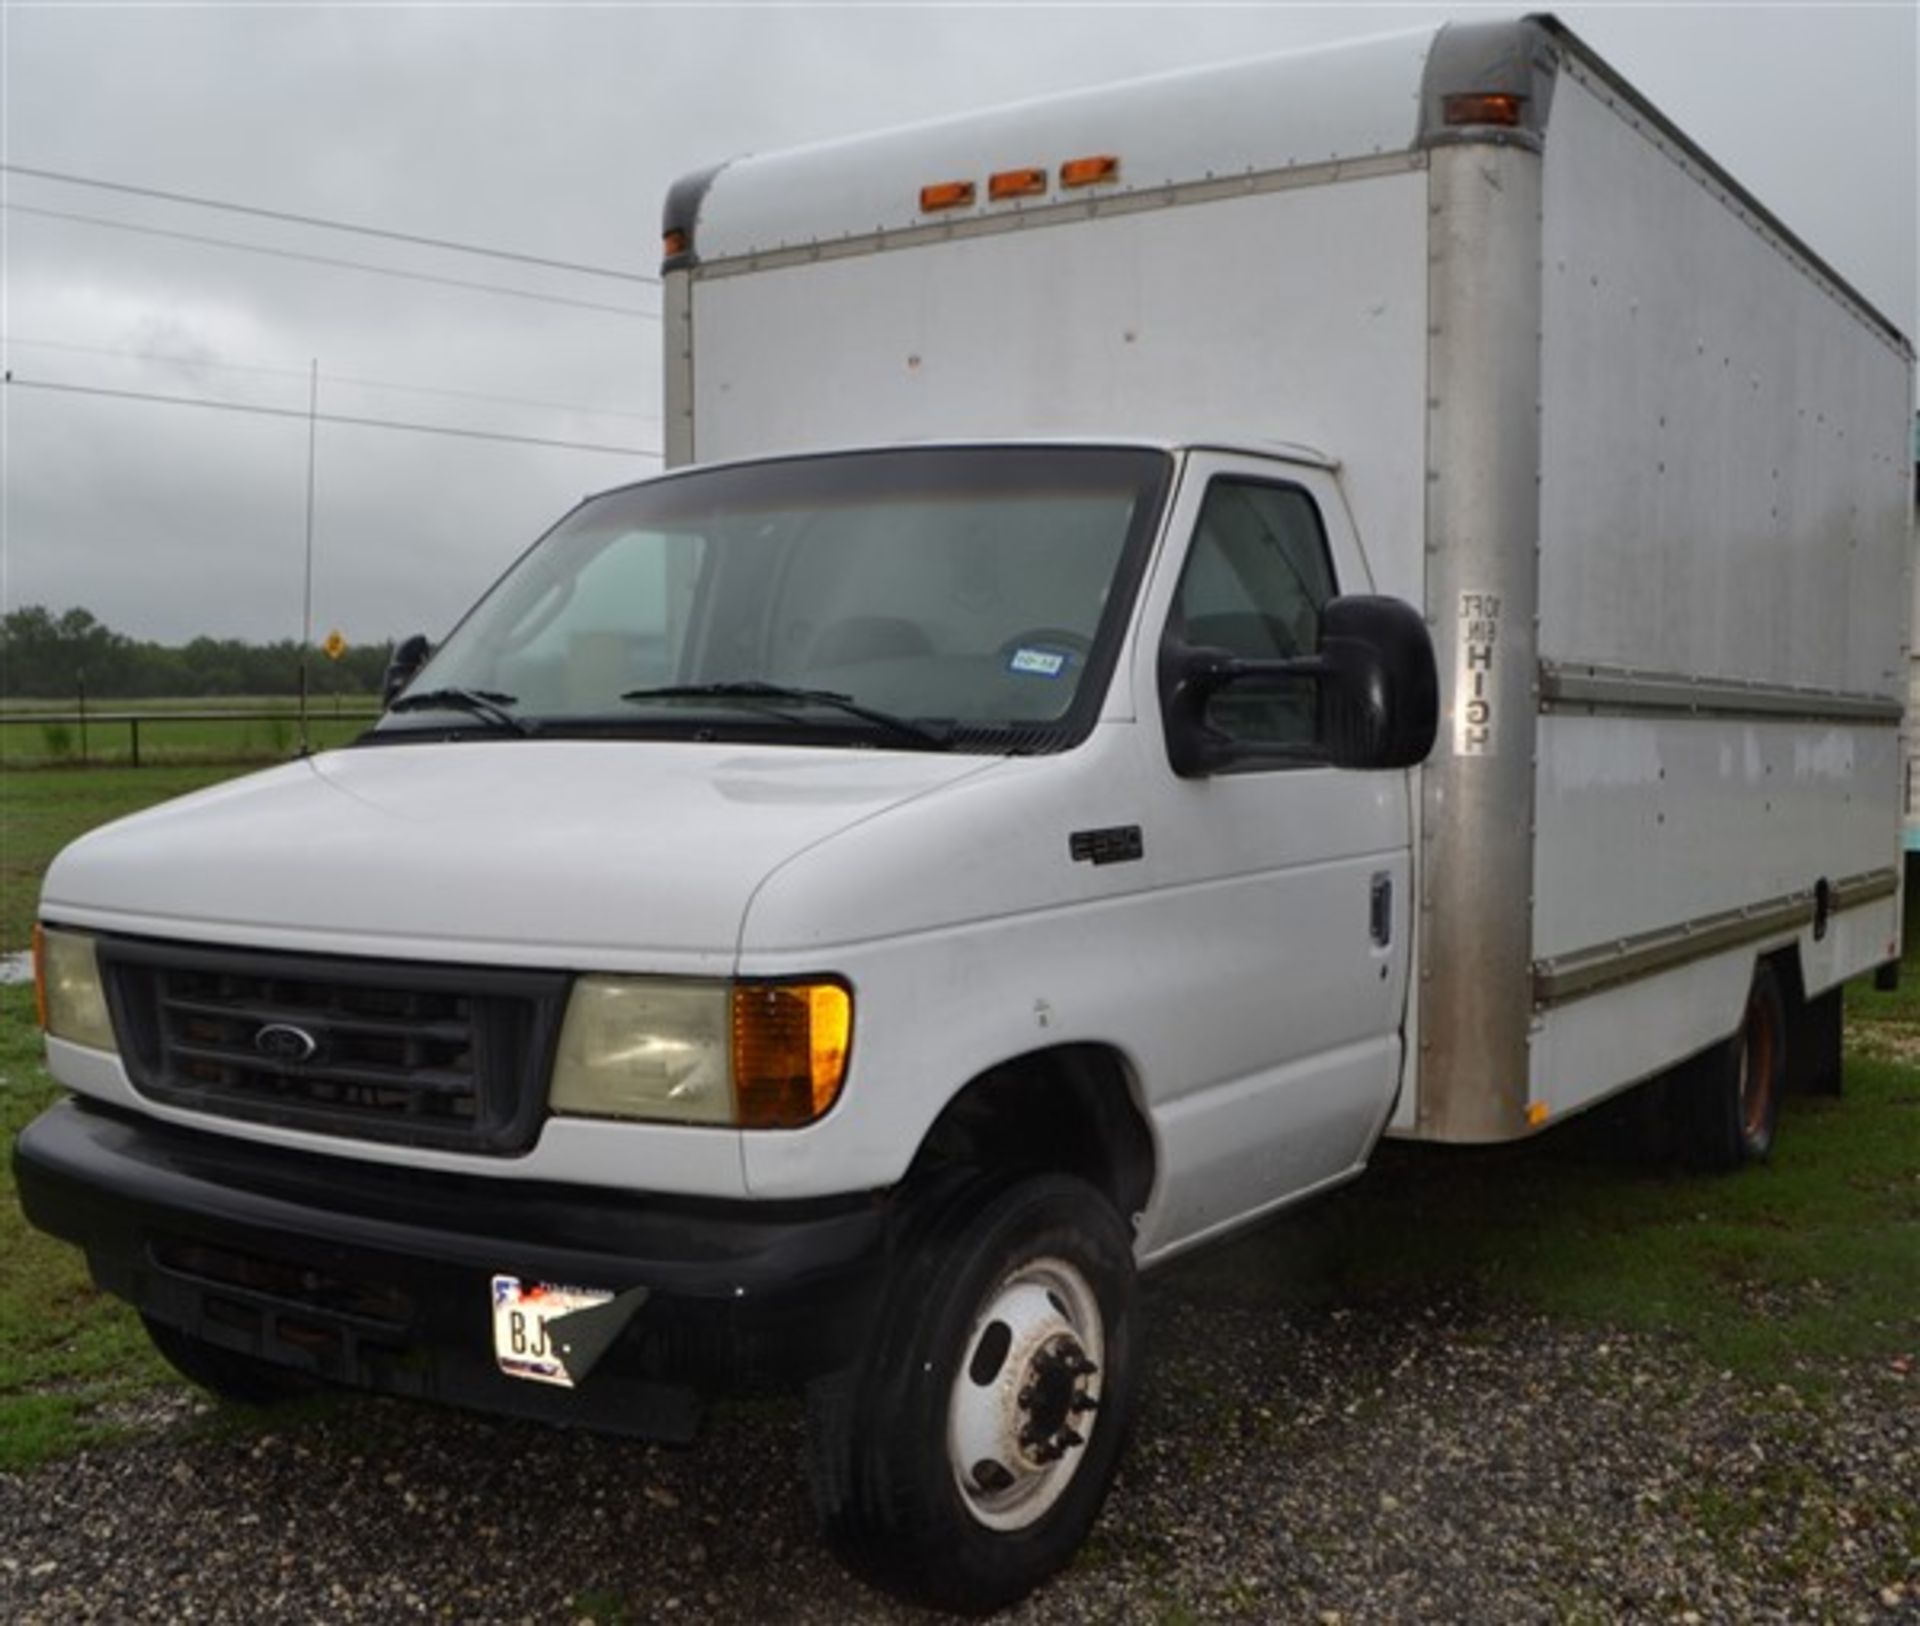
(1782,1274)
(269,731)
(69,1358)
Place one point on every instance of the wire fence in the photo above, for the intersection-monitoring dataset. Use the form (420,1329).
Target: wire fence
(86,737)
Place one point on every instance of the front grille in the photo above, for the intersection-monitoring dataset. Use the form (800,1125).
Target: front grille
(449,1056)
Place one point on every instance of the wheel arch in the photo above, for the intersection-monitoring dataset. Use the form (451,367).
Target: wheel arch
(1070,1108)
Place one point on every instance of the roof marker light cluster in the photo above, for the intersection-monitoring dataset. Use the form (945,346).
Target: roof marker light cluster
(1007,185)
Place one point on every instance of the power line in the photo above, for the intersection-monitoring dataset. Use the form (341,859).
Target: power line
(66,179)
(324,259)
(14,383)
(270,370)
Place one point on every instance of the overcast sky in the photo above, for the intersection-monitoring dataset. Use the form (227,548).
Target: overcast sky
(555,131)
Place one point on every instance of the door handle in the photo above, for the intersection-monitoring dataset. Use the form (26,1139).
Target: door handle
(1380,909)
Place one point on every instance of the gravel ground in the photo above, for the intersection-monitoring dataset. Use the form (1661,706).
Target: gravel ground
(1447,1463)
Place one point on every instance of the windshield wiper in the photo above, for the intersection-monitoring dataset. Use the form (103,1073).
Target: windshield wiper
(771,696)
(489,704)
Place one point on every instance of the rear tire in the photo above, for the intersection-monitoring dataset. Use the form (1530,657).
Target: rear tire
(1732,1092)
(227,1373)
(1814,1044)
(965,1460)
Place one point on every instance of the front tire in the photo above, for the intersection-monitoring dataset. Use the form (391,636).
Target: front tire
(965,1461)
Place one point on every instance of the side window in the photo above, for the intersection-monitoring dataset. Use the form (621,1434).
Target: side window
(1256,576)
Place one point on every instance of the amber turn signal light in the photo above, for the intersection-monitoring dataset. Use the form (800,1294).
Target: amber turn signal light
(790,1043)
(40,975)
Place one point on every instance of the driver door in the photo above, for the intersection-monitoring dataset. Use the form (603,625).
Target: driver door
(1288,884)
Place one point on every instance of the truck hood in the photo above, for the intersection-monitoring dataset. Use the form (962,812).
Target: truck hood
(590,854)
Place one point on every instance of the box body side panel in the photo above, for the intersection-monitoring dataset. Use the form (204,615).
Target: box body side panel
(1725,480)
(1724,584)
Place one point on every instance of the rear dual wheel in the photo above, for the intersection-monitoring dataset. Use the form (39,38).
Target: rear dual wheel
(964,1462)
(1732,1092)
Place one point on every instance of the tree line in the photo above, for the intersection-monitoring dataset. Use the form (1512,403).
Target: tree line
(44,656)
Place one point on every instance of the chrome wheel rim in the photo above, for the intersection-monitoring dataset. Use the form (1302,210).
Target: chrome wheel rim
(1026,1396)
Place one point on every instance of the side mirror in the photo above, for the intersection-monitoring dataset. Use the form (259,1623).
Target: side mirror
(1378,702)
(409,655)
(1380,699)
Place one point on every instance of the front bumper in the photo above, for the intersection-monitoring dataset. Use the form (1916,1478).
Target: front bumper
(378,1277)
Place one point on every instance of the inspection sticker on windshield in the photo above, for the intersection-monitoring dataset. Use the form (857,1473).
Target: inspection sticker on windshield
(1037,662)
(522,1314)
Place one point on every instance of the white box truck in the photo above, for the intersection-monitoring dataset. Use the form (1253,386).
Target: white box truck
(1190,626)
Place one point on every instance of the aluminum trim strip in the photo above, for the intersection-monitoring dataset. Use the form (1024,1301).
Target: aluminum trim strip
(1620,692)
(676,367)
(1871,887)
(1065,214)
(1563,977)
(1482,599)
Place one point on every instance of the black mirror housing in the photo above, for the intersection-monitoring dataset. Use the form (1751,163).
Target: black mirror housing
(409,655)
(1378,693)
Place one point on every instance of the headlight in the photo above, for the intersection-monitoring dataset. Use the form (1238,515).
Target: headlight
(72,999)
(636,1047)
(755,1055)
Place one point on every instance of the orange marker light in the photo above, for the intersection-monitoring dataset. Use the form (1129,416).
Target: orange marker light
(945,195)
(40,975)
(1090,171)
(1537,1114)
(1016,183)
(674,242)
(1483,108)
(790,1043)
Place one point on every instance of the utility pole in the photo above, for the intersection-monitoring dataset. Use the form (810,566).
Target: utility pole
(306,611)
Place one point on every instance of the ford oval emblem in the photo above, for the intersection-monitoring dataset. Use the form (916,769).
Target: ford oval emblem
(282,1041)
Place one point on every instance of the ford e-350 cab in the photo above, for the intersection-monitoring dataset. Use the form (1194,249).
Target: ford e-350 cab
(799,888)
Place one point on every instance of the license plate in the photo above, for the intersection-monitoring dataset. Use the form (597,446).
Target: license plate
(522,1314)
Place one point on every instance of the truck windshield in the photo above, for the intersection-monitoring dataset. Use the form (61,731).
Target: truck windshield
(959,598)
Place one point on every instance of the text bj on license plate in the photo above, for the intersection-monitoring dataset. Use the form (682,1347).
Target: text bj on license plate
(522,1312)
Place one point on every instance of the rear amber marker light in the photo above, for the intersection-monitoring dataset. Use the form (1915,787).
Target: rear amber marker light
(945,195)
(674,242)
(1016,183)
(1483,109)
(1090,171)
(790,1044)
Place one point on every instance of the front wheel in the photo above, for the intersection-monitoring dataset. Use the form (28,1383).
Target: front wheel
(964,1462)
